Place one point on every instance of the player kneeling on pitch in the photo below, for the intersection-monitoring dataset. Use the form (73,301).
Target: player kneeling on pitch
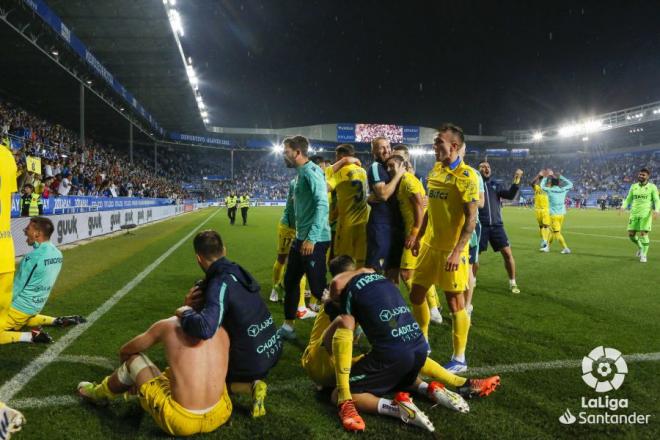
(189,397)
(231,298)
(398,354)
(33,283)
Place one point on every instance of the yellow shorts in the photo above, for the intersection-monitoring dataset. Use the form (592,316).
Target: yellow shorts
(6,291)
(14,320)
(352,240)
(431,270)
(543,217)
(408,260)
(285,236)
(318,365)
(156,399)
(555,222)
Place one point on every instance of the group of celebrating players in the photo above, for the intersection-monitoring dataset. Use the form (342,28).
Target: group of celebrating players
(372,230)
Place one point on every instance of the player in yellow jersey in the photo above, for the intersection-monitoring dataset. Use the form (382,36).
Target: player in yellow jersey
(10,419)
(542,209)
(349,184)
(453,190)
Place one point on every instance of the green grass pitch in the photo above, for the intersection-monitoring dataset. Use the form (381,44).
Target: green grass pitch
(599,295)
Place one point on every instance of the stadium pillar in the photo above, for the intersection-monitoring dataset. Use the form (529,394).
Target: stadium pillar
(232,164)
(155,157)
(130,142)
(81,141)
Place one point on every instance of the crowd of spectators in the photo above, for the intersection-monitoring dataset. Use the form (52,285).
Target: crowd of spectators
(68,168)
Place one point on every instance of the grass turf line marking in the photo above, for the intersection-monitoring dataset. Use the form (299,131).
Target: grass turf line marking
(294,384)
(618,237)
(16,383)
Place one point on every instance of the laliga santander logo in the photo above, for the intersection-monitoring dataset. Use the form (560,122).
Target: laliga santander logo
(604,369)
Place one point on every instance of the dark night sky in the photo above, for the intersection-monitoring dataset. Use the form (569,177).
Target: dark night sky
(507,65)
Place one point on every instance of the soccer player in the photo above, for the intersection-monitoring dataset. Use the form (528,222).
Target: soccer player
(286,233)
(36,276)
(492,227)
(189,397)
(308,251)
(11,421)
(244,204)
(384,227)
(230,297)
(442,244)
(7,266)
(408,192)
(557,200)
(398,351)
(542,208)
(350,186)
(644,205)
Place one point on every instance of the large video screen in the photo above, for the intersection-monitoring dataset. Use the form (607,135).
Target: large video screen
(368,132)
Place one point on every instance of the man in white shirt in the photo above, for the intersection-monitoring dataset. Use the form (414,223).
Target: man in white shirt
(65,186)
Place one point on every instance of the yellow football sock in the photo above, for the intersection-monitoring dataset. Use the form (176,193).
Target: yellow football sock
(460,327)
(561,240)
(545,232)
(436,371)
(241,388)
(432,298)
(551,237)
(342,350)
(38,320)
(422,315)
(103,391)
(301,301)
(9,337)
(278,272)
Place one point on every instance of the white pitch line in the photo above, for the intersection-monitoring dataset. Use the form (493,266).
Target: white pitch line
(617,237)
(295,384)
(16,383)
(97,361)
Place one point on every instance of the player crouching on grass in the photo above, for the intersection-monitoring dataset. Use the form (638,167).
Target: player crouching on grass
(189,397)
(230,297)
(33,283)
(11,421)
(398,354)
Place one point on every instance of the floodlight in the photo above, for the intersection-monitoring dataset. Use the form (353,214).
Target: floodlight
(537,136)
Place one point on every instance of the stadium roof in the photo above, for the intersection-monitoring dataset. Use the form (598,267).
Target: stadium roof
(133,40)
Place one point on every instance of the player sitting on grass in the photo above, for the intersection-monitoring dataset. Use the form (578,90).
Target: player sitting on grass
(644,204)
(33,283)
(189,397)
(398,355)
(231,298)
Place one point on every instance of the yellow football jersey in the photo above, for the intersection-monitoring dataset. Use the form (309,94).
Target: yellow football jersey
(350,186)
(449,189)
(7,187)
(540,198)
(408,186)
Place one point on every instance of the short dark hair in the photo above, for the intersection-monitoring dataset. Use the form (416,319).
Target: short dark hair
(208,244)
(345,150)
(44,225)
(317,159)
(396,158)
(645,170)
(400,147)
(340,264)
(29,185)
(298,143)
(454,129)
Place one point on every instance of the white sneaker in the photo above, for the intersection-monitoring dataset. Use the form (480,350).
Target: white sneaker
(436,317)
(469,310)
(566,251)
(314,307)
(545,249)
(449,399)
(274,296)
(642,258)
(410,414)
(305,314)
(11,421)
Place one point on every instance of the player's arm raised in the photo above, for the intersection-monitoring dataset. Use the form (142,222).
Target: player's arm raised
(345,161)
(205,323)
(383,191)
(143,341)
